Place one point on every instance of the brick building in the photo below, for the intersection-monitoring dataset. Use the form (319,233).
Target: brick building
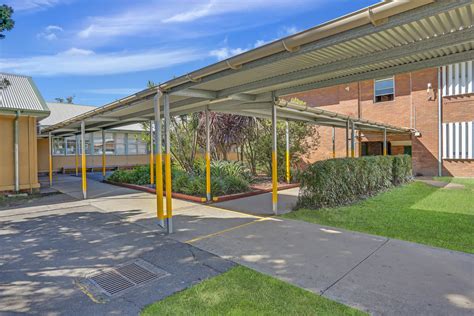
(408,100)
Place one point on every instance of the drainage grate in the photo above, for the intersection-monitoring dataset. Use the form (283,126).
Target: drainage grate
(116,280)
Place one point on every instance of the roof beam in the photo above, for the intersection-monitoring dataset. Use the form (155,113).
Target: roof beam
(196,93)
(445,40)
(102,119)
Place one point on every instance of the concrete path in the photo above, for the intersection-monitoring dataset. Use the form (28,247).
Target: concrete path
(262,204)
(43,249)
(375,274)
(47,251)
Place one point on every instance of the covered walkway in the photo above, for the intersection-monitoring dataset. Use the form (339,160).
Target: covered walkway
(385,39)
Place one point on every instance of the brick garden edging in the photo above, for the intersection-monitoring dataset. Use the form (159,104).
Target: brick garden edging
(202,200)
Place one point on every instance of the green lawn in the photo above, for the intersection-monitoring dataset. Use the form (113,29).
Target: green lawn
(242,291)
(415,212)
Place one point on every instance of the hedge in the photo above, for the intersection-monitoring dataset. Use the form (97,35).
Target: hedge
(337,182)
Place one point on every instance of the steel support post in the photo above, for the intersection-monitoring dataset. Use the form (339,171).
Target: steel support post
(152,162)
(347,138)
(333,142)
(208,156)
(83,160)
(158,162)
(352,139)
(169,210)
(50,156)
(440,125)
(104,162)
(287,155)
(274,161)
(76,156)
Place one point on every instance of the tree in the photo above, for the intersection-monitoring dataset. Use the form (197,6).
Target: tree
(226,130)
(6,21)
(68,100)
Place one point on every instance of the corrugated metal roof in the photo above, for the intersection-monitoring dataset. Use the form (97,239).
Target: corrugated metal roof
(64,111)
(20,93)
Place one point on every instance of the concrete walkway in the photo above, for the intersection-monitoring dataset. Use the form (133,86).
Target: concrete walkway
(382,276)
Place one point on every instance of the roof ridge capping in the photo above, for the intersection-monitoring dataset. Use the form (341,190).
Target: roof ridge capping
(374,14)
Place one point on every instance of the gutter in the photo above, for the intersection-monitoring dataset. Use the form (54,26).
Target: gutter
(376,14)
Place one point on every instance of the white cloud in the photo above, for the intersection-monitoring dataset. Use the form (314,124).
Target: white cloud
(25,5)
(226,52)
(77,61)
(193,14)
(50,33)
(115,91)
(154,19)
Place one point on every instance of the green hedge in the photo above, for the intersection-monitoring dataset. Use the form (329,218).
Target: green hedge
(336,182)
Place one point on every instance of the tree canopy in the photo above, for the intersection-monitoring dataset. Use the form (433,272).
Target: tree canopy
(6,21)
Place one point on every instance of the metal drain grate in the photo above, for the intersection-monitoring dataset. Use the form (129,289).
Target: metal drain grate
(111,282)
(116,280)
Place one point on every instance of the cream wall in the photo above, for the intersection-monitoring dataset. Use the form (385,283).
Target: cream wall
(59,162)
(27,153)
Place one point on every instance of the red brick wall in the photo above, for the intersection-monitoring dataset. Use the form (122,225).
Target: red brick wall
(410,108)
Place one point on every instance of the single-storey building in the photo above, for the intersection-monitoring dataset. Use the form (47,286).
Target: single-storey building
(21,107)
(126,146)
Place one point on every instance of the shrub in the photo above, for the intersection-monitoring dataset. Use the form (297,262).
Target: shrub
(338,182)
(227,177)
(402,169)
(139,175)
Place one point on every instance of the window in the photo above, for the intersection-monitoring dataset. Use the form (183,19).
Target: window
(384,90)
(97,141)
(87,138)
(120,141)
(58,147)
(132,144)
(142,145)
(109,144)
(71,145)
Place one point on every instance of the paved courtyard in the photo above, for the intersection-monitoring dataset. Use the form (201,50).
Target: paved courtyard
(47,250)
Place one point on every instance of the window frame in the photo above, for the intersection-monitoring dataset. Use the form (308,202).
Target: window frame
(381,95)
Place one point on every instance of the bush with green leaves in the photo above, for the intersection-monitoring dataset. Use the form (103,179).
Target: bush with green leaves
(337,182)
(227,177)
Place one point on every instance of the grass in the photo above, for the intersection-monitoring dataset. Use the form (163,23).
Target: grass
(415,212)
(241,291)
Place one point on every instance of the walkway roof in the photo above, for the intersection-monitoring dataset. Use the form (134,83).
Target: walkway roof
(385,39)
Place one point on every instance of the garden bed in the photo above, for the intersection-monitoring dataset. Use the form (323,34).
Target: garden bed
(255,190)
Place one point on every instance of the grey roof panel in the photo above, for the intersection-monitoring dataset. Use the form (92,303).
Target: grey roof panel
(21,94)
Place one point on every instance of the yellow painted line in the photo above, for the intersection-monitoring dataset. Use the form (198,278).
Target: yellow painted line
(225,230)
(89,294)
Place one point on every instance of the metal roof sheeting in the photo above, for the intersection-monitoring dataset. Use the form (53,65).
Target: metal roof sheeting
(61,112)
(21,93)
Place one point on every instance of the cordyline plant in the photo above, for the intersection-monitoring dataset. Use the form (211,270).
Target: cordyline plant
(226,130)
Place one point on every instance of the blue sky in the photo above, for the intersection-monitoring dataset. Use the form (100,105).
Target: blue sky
(102,50)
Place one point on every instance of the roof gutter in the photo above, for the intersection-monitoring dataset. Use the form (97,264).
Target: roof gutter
(376,14)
